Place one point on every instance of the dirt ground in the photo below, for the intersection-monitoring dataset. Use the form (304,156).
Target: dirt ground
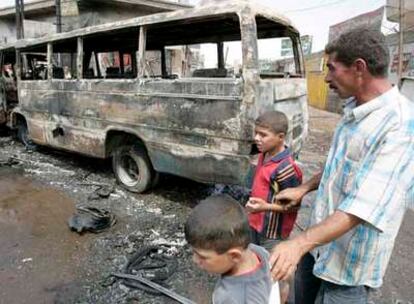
(42,261)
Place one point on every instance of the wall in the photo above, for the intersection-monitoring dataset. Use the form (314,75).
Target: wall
(32,29)
(72,18)
(408,59)
(315,75)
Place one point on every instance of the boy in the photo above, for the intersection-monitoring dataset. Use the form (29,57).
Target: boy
(218,231)
(275,171)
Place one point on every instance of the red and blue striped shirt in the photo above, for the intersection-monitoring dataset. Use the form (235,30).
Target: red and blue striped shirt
(272,176)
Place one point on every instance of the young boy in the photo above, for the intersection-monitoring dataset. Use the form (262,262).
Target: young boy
(218,231)
(275,171)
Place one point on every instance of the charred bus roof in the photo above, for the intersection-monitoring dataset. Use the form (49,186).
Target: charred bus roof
(268,22)
(7,47)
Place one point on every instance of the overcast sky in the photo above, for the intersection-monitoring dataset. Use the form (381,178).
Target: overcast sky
(312,17)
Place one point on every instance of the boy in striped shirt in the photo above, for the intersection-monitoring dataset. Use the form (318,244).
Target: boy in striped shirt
(276,170)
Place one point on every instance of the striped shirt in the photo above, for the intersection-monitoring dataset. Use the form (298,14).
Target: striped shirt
(272,176)
(369,173)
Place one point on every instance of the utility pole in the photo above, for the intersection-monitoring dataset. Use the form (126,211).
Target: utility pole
(58,16)
(19,19)
(401,42)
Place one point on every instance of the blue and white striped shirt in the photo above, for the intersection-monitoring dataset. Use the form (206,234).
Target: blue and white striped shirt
(369,173)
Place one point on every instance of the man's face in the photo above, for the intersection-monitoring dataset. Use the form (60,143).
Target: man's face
(266,140)
(340,78)
(212,262)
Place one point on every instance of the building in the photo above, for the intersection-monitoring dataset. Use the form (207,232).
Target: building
(393,15)
(40,16)
(319,94)
(374,19)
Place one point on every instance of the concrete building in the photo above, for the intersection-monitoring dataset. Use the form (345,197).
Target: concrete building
(40,16)
(393,15)
(379,19)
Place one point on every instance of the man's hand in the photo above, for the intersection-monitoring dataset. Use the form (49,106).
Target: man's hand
(285,258)
(286,255)
(256,204)
(290,197)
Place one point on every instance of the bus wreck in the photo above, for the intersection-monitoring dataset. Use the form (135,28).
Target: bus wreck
(164,92)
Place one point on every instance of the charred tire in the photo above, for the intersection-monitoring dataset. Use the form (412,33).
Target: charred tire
(132,168)
(23,136)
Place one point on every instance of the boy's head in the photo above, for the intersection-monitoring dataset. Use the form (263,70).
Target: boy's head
(270,131)
(218,231)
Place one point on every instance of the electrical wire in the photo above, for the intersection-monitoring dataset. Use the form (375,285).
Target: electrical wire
(314,7)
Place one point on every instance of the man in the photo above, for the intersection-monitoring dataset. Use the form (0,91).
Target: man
(365,187)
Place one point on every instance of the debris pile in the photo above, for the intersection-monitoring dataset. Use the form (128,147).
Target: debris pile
(91,219)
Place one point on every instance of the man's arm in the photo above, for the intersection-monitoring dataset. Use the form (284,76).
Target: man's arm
(256,204)
(286,255)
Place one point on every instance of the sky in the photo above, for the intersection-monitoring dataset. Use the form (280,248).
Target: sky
(311,17)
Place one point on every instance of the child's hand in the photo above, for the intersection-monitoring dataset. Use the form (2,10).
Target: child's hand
(256,204)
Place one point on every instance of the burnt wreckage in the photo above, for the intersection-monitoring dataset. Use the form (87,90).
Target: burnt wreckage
(145,92)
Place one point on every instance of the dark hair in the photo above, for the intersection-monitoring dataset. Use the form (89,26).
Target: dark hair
(275,121)
(217,223)
(364,43)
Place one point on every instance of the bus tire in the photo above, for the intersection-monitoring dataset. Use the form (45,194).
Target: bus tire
(23,136)
(155,179)
(132,168)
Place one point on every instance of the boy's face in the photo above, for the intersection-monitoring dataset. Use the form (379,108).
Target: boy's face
(213,262)
(268,141)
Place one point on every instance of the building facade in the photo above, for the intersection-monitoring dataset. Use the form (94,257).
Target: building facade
(40,16)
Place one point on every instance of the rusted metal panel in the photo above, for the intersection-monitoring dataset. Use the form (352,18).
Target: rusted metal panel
(288,95)
(204,166)
(176,113)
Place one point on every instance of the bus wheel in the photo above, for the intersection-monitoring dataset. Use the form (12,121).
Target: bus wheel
(132,168)
(23,136)
(155,179)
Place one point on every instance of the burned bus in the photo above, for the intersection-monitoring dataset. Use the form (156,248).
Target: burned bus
(174,92)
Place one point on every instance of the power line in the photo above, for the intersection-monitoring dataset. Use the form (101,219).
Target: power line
(322,5)
(314,7)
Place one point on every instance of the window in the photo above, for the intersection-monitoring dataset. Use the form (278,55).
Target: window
(277,50)
(195,48)
(34,63)
(194,60)
(111,55)
(276,56)
(64,59)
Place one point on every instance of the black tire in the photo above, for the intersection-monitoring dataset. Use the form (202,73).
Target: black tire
(23,136)
(132,168)
(155,179)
